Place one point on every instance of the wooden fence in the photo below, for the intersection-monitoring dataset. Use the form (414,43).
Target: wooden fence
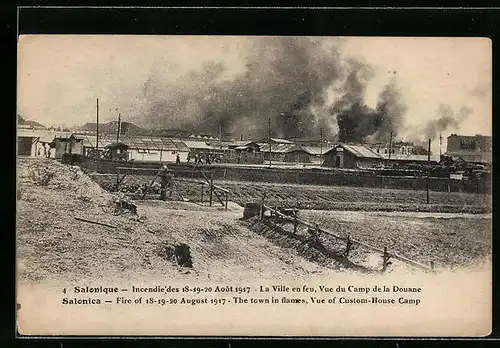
(167,187)
(317,231)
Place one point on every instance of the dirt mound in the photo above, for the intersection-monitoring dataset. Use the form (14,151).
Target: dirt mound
(57,176)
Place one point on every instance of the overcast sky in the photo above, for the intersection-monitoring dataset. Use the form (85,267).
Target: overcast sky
(60,77)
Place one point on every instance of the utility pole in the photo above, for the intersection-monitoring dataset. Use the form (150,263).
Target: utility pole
(119,128)
(428,168)
(97,136)
(390,146)
(220,136)
(269,140)
(440,145)
(321,142)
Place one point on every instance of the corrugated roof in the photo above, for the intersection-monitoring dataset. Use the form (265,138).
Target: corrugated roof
(317,150)
(240,143)
(281,141)
(143,143)
(217,144)
(46,136)
(278,148)
(361,151)
(199,145)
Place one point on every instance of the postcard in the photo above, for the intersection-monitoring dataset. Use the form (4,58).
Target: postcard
(254,186)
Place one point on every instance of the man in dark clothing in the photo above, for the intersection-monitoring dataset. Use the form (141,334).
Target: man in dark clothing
(177,159)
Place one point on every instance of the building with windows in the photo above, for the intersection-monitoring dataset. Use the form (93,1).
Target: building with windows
(397,148)
(476,148)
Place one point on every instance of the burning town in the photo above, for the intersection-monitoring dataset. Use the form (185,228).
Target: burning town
(290,166)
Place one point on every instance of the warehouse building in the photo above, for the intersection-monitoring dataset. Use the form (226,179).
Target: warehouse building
(317,153)
(278,150)
(36,142)
(352,157)
(138,148)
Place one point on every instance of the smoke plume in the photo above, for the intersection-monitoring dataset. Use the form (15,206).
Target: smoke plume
(357,122)
(447,120)
(286,79)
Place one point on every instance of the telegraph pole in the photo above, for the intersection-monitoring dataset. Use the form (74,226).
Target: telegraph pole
(220,136)
(269,140)
(119,128)
(428,168)
(97,135)
(390,146)
(440,145)
(321,142)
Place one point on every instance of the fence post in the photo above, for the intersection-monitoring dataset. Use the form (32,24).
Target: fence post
(202,188)
(117,179)
(385,260)
(348,246)
(294,222)
(226,199)
(262,208)
(163,188)
(211,187)
(316,234)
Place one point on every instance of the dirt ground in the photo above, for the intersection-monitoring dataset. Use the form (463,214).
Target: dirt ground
(449,240)
(325,197)
(352,198)
(53,245)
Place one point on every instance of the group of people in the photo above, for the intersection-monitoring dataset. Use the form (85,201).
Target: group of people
(206,158)
(46,151)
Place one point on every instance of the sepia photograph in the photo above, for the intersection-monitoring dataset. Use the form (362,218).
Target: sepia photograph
(254,186)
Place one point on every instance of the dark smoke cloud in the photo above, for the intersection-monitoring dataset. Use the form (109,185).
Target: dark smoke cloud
(447,120)
(285,80)
(356,121)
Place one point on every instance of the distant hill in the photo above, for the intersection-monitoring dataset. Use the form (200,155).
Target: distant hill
(112,127)
(131,129)
(33,124)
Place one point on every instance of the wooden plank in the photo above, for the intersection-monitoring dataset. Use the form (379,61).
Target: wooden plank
(191,181)
(138,168)
(94,222)
(221,189)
